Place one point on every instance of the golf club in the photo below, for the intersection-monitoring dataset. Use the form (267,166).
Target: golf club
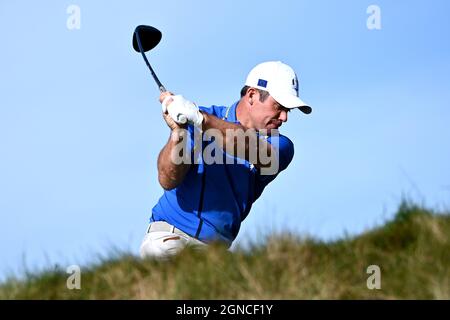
(145,38)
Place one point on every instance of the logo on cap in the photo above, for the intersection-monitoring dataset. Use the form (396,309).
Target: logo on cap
(262,83)
(295,84)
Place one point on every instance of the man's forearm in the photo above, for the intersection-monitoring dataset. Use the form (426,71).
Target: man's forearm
(238,140)
(170,172)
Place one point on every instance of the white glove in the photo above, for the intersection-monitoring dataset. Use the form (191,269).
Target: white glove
(182,110)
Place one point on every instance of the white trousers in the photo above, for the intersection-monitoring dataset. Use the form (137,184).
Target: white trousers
(165,241)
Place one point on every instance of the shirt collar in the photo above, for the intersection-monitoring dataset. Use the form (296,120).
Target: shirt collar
(231,116)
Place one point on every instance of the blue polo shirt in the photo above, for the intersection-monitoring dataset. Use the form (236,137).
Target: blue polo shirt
(214,199)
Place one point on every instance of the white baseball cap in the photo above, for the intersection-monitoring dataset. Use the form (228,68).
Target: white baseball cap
(280,81)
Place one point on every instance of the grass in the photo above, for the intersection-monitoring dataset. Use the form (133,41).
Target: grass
(412,251)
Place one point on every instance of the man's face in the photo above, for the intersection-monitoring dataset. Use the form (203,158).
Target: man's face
(268,114)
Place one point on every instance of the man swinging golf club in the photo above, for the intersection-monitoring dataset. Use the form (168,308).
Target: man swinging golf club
(205,201)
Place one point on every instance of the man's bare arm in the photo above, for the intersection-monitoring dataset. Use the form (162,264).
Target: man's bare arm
(240,141)
(171,174)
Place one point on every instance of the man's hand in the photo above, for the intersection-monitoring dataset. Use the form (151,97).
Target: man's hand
(170,122)
(181,110)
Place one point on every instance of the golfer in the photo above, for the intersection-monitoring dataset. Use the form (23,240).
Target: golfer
(212,169)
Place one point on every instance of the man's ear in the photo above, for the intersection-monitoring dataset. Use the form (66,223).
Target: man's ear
(251,95)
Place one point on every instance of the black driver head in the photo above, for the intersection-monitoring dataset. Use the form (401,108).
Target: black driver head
(148,36)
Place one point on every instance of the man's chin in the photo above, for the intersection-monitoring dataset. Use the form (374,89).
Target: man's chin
(272,126)
(270,130)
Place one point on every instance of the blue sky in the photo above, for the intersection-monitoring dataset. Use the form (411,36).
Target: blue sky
(80,125)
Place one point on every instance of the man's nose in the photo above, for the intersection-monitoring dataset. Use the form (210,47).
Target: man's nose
(283,116)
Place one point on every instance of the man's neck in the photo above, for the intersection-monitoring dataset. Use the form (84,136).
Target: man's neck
(242,114)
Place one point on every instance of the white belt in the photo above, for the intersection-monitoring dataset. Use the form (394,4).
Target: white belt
(164,226)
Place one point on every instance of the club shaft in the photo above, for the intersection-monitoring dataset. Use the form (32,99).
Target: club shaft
(155,77)
(161,87)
